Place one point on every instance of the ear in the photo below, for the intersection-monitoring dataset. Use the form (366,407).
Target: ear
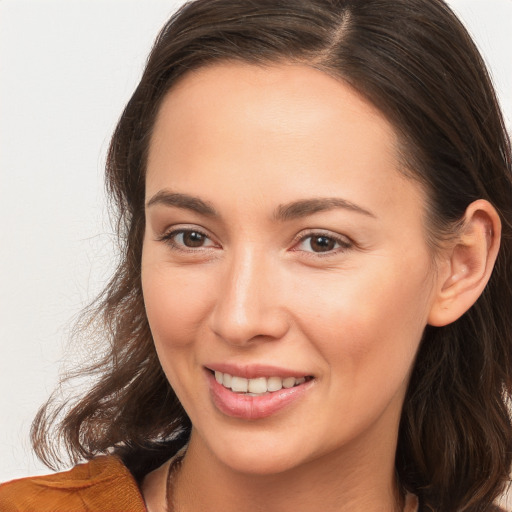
(466,266)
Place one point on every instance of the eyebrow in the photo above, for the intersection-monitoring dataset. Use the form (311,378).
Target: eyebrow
(305,207)
(166,198)
(284,212)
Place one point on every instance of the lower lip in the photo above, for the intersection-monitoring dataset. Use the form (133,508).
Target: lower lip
(239,405)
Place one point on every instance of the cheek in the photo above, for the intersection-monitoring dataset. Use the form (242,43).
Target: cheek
(367,325)
(175,304)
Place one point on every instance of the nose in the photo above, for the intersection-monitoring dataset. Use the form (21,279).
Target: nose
(248,304)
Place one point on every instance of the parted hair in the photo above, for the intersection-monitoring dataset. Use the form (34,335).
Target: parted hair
(414,61)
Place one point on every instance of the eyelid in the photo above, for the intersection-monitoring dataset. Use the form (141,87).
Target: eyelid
(344,242)
(168,235)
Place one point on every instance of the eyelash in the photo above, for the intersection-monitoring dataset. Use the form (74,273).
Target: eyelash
(343,243)
(169,239)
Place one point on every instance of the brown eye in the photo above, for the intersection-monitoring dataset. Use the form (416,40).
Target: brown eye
(317,243)
(322,243)
(193,239)
(188,239)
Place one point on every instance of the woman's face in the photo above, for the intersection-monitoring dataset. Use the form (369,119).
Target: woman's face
(283,247)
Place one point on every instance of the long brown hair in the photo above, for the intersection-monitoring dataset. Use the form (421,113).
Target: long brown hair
(413,60)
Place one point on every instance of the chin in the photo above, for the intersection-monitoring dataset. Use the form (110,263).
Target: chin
(260,453)
(259,462)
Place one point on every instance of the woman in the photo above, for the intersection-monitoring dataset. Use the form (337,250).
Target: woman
(313,307)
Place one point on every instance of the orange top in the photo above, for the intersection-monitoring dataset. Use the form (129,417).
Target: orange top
(102,485)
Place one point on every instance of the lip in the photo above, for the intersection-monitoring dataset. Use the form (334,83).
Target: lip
(254,371)
(241,406)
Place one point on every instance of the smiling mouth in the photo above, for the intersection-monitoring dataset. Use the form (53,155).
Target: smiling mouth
(259,386)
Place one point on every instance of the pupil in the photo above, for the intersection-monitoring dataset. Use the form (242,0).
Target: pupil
(193,239)
(322,244)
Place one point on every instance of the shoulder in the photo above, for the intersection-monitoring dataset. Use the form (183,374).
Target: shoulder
(102,484)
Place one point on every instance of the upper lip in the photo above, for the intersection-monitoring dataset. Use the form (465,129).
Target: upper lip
(252,371)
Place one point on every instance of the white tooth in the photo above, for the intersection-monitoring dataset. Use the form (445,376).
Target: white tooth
(226,380)
(300,381)
(239,384)
(258,385)
(274,383)
(289,382)
(218,377)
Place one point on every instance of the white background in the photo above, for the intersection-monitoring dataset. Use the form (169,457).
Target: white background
(67,67)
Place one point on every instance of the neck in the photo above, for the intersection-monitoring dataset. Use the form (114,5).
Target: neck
(352,479)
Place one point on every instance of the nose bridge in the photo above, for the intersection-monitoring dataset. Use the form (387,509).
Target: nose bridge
(247,306)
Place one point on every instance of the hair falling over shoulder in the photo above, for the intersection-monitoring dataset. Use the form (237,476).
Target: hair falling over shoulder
(414,61)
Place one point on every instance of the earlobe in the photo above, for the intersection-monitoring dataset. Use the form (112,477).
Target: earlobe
(467,265)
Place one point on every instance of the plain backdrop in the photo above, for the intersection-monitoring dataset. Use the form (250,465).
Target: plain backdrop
(67,67)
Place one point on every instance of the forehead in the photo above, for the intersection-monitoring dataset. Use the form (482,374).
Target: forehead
(278,96)
(281,126)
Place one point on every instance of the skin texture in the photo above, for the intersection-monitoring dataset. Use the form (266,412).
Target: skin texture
(254,290)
